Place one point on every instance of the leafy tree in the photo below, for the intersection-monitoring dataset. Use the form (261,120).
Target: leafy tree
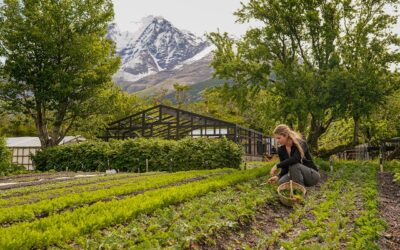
(257,113)
(368,49)
(57,57)
(180,93)
(305,44)
(110,104)
(297,43)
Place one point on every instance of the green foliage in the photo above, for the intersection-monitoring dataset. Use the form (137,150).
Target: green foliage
(131,155)
(195,221)
(106,106)
(394,167)
(6,167)
(328,60)
(58,228)
(258,111)
(57,57)
(12,125)
(343,213)
(44,205)
(5,155)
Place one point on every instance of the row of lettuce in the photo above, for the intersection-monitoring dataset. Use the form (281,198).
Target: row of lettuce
(140,155)
(394,166)
(58,227)
(343,214)
(334,224)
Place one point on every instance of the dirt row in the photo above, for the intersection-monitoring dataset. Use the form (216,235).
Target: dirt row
(389,193)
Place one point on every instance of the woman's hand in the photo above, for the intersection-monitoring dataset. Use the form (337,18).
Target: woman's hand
(274,169)
(273,179)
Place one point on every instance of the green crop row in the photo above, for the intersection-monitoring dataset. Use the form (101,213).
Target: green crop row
(394,167)
(57,192)
(40,187)
(328,217)
(368,225)
(131,155)
(85,220)
(332,223)
(29,212)
(286,225)
(180,227)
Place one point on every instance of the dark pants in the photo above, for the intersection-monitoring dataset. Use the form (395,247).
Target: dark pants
(301,174)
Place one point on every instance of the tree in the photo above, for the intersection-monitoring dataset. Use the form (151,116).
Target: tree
(180,93)
(159,96)
(303,43)
(297,43)
(110,104)
(57,58)
(368,49)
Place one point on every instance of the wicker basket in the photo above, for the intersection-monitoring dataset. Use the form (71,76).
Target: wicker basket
(290,185)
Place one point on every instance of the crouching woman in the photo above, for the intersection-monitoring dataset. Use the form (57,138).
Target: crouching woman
(296,163)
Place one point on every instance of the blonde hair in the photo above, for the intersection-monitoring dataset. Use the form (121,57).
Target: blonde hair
(285,131)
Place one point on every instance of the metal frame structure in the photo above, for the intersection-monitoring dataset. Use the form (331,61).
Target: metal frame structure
(171,123)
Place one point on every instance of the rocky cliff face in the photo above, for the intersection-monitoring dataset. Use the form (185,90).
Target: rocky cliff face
(153,46)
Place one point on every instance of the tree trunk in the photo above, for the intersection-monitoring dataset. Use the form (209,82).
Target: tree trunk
(302,126)
(317,129)
(41,125)
(356,132)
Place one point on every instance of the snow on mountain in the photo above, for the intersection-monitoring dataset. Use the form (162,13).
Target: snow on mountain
(154,45)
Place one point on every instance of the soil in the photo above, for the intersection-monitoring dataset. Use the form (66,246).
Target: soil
(39,179)
(72,184)
(389,206)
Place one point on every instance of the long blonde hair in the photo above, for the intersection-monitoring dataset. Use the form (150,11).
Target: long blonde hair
(285,131)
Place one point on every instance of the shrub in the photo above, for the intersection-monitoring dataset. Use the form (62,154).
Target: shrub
(131,155)
(6,167)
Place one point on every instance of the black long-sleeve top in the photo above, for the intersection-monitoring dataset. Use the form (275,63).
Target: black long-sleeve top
(286,161)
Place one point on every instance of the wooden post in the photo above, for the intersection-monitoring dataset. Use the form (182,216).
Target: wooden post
(147,165)
(177,124)
(381,162)
(143,122)
(331,163)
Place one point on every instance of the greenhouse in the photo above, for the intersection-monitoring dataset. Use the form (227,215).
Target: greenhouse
(172,123)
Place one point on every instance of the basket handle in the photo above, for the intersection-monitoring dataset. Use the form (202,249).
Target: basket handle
(291,189)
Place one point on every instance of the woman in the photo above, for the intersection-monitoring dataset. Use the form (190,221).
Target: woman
(295,159)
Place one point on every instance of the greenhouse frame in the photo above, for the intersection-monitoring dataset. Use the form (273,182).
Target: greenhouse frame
(166,122)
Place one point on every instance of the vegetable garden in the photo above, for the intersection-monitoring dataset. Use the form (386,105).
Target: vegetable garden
(353,207)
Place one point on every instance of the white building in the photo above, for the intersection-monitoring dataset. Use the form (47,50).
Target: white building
(23,147)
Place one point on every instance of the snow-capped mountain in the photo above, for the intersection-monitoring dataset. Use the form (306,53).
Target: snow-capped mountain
(154,45)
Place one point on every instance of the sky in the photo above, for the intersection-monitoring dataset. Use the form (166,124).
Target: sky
(196,16)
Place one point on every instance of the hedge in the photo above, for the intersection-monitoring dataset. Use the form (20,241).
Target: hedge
(130,155)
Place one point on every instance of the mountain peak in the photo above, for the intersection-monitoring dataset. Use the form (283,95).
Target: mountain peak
(152,45)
